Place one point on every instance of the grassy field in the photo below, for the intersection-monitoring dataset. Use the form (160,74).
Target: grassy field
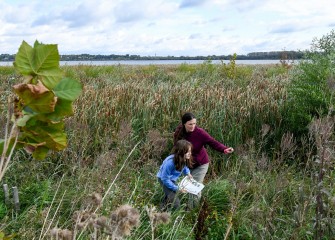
(122,130)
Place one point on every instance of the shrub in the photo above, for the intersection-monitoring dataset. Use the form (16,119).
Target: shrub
(310,93)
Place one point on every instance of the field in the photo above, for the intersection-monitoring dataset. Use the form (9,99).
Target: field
(122,130)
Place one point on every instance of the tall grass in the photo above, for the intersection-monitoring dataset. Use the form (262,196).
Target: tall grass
(122,106)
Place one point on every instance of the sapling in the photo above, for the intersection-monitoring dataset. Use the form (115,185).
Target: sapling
(36,114)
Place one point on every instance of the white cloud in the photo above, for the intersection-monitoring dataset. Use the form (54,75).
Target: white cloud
(165,27)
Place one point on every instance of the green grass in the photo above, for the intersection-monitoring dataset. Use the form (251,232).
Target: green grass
(135,109)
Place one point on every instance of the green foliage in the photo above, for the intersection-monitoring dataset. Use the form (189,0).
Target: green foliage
(119,106)
(38,194)
(310,93)
(218,194)
(275,71)
(230,69)
(215,209)
(40,62)
(67,89)
(3,208)
(44,99)
(186,68)
(207,68)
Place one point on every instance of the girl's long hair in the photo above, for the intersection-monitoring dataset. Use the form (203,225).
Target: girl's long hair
(179,151)
(180,130)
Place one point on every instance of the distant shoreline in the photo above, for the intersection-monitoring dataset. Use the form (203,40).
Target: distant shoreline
(160,62)
(274,55)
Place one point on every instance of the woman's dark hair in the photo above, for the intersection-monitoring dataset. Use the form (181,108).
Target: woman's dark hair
(181,131)
(179,151)
(187,117)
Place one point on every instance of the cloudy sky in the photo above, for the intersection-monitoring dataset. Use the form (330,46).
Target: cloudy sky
(165,27)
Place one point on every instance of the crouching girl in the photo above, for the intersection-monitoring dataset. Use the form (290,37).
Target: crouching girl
(172,167)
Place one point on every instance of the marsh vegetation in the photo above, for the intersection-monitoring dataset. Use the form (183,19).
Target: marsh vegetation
(277,185)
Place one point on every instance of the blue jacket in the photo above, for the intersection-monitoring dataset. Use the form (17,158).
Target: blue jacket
(168,173)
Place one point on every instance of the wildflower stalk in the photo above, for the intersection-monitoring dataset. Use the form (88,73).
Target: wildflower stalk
(13,134)
(230,221)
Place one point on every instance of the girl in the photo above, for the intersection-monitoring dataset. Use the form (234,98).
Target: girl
(172,167)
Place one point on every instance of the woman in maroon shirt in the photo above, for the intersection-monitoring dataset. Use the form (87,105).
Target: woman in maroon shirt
(199,138)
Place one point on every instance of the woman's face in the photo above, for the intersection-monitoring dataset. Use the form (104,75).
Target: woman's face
(188,154)
(190,125)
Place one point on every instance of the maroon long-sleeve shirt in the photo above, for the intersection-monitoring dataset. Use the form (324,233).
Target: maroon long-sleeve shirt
(199,138)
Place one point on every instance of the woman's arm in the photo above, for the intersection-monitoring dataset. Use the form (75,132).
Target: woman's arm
(216,145)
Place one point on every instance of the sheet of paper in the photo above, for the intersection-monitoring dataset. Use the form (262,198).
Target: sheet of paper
(190,185)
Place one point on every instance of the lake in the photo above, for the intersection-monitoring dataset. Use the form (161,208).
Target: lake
(155,62)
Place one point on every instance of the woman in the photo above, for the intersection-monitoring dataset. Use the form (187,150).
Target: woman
(172,167)
(199,138)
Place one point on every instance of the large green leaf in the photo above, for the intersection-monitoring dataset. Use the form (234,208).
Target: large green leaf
(63,108)
(50,78)
(24,59)
(46,64)
(46,57)
(52,135)
(68,89)
(37,97)
(42,60)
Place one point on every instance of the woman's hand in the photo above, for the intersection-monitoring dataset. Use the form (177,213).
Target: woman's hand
(229,150)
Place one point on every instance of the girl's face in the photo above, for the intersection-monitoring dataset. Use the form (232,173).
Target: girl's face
(188,154)
(190,125)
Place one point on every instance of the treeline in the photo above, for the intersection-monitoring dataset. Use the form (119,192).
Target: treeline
(285,55)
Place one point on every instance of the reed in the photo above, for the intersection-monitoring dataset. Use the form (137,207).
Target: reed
(122,106)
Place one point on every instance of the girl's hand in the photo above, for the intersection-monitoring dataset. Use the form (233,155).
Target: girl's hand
(183,190)
(229,150)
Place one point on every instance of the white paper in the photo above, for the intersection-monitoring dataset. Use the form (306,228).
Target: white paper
(190,185)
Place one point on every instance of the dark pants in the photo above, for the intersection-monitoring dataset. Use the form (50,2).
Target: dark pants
(170,198)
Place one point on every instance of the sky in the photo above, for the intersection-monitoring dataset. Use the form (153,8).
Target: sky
(165,27)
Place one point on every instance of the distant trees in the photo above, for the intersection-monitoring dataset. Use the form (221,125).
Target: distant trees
(7,57)
(287,55)
(276,55)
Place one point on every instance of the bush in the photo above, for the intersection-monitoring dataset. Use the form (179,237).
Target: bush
(310,93)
